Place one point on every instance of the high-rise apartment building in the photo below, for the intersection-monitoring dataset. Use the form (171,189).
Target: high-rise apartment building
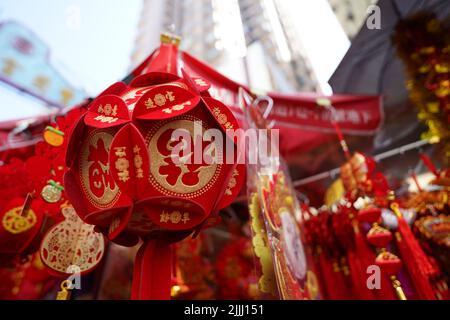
(251,41)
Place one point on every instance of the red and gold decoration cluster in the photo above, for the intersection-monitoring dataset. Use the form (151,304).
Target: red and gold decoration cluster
(423,43)
(125,177)
(369,227)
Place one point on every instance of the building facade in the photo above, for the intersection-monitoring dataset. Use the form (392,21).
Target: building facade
(251,41)
(351,14)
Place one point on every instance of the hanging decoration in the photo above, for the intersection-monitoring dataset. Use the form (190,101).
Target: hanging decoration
(423,43)
(125,178)
(270,184)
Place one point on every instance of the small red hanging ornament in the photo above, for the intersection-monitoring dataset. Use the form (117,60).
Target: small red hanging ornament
(379,236)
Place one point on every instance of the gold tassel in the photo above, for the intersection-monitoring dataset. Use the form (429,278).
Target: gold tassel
(64,294)
(398,288)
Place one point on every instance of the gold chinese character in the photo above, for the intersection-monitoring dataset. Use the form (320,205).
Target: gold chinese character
(149,103)
(186,217)
(124,175)
(108,109)
(170,96)
(201,82)
(102,118)
(120,151)
(164,217)
(137,161)
(160,100)
(122,164)
(139,173)
(175,217)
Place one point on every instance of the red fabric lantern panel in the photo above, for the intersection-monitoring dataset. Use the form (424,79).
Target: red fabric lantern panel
(144,163)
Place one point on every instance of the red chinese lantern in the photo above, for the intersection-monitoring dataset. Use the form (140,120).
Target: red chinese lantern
(126,178)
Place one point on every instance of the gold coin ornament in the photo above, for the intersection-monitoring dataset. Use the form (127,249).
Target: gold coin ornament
(52,192)
(14,222)
(53,136)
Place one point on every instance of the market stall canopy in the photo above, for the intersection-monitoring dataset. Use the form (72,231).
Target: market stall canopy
(25,64)
(372,67)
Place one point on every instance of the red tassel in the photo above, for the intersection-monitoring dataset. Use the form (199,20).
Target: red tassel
(415,261)
(366,257)
(427,161)
(152,271)
(342,290)
(359,278)
(362,249)
(326,270)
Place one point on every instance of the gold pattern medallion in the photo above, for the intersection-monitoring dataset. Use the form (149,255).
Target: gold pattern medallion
(16,223)
(177,174)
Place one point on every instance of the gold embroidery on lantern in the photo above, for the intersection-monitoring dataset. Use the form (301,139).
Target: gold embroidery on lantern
(207,174)
(185,217)
(15,223)
(138,162)
(122,164)
(170,96)
(174,217)
(108,192)
(159,100)
(107,113)
(232,183)
(104,119)
(222,118)
(149,104)
(177,107)
(164,217)
(201,82)
(107,110)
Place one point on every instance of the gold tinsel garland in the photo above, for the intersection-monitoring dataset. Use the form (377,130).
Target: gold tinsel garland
(423,43)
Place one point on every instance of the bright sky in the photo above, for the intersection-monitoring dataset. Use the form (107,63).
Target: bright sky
(323,38)
(91,41)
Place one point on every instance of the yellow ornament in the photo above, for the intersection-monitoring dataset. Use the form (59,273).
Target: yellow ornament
(53,137)
(433,107)
(14,222)
(52,192)
(442,68)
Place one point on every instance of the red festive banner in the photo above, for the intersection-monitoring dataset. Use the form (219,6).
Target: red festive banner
(360,115)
